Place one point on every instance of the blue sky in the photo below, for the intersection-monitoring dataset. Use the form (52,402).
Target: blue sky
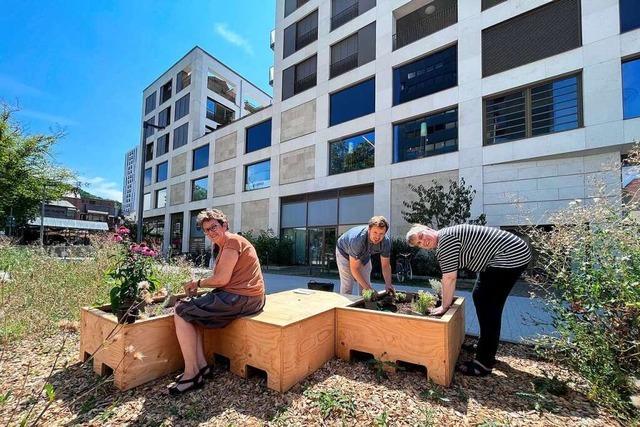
(82,66)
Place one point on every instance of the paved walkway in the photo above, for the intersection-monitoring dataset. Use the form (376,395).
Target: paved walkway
(522,318)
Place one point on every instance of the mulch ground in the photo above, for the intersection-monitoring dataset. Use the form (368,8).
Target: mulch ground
(340,393)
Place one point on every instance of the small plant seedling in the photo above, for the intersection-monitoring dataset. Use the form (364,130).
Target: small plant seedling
(400,296)
(423,303)
(551,385)
(436,285)
(378,367)
(382,420)
(369,295)
(332,401)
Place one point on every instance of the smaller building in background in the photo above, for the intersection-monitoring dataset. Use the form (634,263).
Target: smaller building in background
(130,183)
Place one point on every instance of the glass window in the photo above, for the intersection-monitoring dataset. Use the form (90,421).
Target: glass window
(199,189)
(176,231)
(355,101)
(323,212)
(150,103)
(161,198)
(257,175)
(353,153)
(200,157)
(294,214)
(161,171)
(218,112)
(147,176)
(180,136)
(149,130)
(631,88)
(196,235)
(425,76)
(146,204)
(164,118)
(183,79)
(629,15)
(221,86)
(540,109)
(258,136)
(182,107)
(162,145)
(305,74)
(165,92)
(356,209)
(148,154)
(426,136)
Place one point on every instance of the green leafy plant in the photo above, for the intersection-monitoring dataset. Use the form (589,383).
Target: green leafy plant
(423,302)
(332,402)
(271,249)
(382,420)
(551,385)
(400,296)
(434,393)
(369,295)
(380,367)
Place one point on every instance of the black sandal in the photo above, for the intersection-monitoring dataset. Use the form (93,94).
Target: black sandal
(206,373)
(473,368)
(196,382)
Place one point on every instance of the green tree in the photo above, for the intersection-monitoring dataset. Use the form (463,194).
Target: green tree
(439,207)
(28,173)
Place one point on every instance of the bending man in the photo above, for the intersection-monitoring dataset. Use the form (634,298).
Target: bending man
(353,255)
(498,255)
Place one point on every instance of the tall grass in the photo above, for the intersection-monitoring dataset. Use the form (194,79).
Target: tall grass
(44,290)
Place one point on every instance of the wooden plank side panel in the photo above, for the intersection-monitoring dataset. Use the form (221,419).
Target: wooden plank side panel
(95,327)
(306,347)
(264,351)
(455,338)
(229,342)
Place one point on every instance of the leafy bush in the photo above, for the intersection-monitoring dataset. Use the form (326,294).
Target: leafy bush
(591,258)
(271,249)
(423,302)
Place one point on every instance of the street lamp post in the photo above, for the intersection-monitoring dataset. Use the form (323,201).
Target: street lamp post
(145,125)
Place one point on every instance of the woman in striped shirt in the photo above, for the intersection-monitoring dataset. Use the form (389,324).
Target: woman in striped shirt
(499,256)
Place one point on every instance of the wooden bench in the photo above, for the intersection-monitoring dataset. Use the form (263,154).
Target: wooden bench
(291,338)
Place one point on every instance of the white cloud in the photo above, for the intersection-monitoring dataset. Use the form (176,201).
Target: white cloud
(102,188)
(233,37)
(60,120)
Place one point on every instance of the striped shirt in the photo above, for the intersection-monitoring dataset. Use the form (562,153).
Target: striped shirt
(474,247)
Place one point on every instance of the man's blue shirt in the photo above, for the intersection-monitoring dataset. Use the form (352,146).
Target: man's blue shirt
(355,243)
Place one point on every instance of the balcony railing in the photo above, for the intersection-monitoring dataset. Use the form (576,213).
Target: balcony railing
(221,88)
(343,65)
(345,16)
(220,116)
(307,38)
(429,24)
(304,83)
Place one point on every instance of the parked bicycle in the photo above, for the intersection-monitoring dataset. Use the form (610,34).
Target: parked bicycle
(403,267)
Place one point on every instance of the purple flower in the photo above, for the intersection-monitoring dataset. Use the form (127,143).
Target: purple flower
(123,230)
(117,238)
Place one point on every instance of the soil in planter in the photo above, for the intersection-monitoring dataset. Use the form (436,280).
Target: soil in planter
(385,303)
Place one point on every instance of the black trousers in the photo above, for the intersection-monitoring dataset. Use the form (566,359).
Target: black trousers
(489,296)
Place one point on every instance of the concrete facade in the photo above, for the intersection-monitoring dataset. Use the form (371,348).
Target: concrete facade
(540,174)
(130,182)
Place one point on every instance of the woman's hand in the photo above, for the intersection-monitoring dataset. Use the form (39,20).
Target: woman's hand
(438,311)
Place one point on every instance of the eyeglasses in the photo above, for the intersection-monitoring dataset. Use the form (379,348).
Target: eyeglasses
(210,229)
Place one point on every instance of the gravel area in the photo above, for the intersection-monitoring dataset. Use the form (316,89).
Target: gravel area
(340,393)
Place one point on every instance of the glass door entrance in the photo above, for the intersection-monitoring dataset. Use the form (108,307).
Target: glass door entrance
(322,245)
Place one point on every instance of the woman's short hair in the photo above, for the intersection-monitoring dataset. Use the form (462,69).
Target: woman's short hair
(212,215)
(379,221)
(412,234)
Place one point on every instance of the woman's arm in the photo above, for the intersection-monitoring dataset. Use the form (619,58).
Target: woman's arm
(224,268)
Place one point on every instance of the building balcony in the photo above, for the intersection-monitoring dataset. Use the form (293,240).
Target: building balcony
(343,65)
(304,83)
(306,38)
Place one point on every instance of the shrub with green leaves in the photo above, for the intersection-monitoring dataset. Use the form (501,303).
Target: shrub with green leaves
(332,402)
(423,302)
(591,261)
(271,249)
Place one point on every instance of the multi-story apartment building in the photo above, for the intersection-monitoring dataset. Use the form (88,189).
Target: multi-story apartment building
(528,101)
(130,182)
(193,98)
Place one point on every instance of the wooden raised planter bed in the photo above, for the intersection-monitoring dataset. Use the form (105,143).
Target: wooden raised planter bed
(291,338)
(431,342)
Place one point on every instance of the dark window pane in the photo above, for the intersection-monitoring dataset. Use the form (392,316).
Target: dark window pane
(631,88)
(258,136)
(629,15)
(165,92)
(164,118)
(182,107)
(257,175)
(344,56)
(305,74)
(486,4)
(306,30)
(148,155)
(161,198)
(196,235)
(180,136)
(219,113)
(221,86)
(162,145)
(199,189)
(149,130)
(353,153)
(424,21)
(177,225)
(201,157)
(353,102)
(161,171)
(183,80)
(505,118)
(554,106)
(426,136)
(150,103)
(147,176)
(343,11)
(425,76)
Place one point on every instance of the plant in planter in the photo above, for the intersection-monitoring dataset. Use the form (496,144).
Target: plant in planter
(436,285)
(423,302)
(369,296)
(132,278)
(401,297)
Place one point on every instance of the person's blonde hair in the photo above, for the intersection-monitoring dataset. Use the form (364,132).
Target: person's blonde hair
(379,221)
(212,215)
(413,233)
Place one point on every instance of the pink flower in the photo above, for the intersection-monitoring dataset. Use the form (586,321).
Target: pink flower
(117,238)
(123,230)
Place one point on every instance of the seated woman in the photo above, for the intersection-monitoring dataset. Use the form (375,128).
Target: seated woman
(239,291)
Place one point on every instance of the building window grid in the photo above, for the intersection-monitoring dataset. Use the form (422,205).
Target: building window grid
(489,135)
